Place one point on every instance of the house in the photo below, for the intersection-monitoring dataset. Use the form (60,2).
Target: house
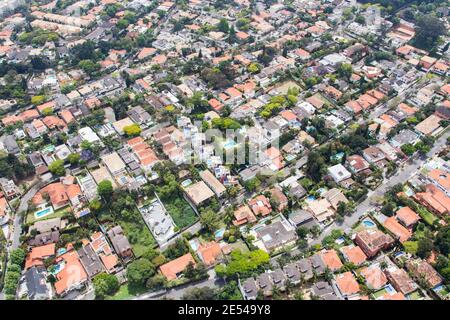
(121,124)
(421,269)
(357,164)
(260,205)
(10,190)
(249,289)
(339,173)
(434,199)
(275,236)
(324,291)
(36,283)
(72,276)
(198,193)
(374,277)
(265,284)
(399,231)
(407,217)
(335,196)
(321,209)
(279,197)
(114,164)
(37,255)
(172,270)
(243,215)
(373,155)
(211,181)
(120,243)
(373,241)
(400,279)
(302,218)
(347,284)
(331,260)
(430,126)
(292,273)
(209,253)
(90,260)
(354,254)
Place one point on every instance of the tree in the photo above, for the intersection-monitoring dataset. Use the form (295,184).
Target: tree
(442,240)
(253,67)
(210,220)
(105,189)
(139,271)
(156,282)
(428,30)
(105,285)
(223,25)
(424,248)
(73,158)
(57,167)
(345,70)
(132,130)
(37,100)
(89,66)
(17,256)
(408,149)
(202,293)
(243,263)
(315,165)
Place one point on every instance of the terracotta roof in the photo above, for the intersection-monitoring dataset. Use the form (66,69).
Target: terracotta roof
(209,252)
(375,278)
(331,259)
(347,283)
(354,254)
(407,216)
(171,269)
(397,229)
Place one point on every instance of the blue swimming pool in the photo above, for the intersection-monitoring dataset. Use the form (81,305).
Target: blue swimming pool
(43,212)
(368,223)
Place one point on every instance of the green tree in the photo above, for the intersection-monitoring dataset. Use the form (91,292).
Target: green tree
(17,256)
(139,271)
(210,220)
(105,285)
(57,168)
(105,189)
(73,158)
(428,30)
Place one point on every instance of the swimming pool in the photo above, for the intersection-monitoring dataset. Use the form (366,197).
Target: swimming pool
(44,212)
(368,223)
(219,234)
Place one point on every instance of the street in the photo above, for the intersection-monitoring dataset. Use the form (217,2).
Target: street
(402,175)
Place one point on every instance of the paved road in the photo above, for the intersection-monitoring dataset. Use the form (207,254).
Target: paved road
(177,293)
(23,207)
(402,175)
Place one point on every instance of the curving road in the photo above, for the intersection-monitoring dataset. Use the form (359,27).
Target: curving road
(401,176)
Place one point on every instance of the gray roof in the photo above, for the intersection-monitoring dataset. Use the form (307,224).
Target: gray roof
(249,288)
(36,284)
(322,289)
(317,264)
(276,235)
(292,272)
(90,260)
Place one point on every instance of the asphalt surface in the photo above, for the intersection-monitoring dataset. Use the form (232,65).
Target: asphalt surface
(402,175)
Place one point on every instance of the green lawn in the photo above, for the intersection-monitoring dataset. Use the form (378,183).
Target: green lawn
(426,215)
(411,246)
(56,214)
(127,292)
(139,236)
(180,211)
